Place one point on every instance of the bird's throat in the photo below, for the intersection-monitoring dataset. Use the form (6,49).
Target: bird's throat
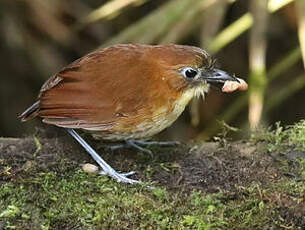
(196,91)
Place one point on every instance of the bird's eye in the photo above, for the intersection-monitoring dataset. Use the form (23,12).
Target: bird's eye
(190,72)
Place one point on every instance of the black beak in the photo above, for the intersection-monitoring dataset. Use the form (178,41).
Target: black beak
(217,77)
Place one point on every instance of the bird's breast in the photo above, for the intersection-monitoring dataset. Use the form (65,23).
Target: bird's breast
(147,124)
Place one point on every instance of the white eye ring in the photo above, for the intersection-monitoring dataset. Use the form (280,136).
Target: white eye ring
(190,73)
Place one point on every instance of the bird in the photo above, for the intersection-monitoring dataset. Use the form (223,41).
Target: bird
(125,92)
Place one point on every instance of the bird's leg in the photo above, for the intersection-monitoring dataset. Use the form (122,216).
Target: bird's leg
(137,144)
(107,169)
(130,144)
(158,143)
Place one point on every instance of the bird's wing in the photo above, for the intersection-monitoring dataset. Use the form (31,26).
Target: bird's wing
(95,91)
(73,98)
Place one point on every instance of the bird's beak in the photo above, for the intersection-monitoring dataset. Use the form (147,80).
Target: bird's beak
(217,77)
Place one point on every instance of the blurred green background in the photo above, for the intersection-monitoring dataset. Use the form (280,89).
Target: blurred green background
(258,40)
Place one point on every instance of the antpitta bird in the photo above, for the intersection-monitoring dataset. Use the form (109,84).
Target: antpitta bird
(126,92)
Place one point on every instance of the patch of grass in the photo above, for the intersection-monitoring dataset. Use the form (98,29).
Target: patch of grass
(38,146)
(302,168)
(11,211)
(296,135)
(292,136)
(80,201)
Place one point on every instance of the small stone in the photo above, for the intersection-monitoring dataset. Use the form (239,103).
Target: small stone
(90,168)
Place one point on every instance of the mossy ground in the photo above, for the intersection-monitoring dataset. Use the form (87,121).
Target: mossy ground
(250,184)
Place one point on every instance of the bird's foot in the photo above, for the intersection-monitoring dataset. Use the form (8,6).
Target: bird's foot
(120,177)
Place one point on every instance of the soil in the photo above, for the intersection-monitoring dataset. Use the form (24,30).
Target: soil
(210,167)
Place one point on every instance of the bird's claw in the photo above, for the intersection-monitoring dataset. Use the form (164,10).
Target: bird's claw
(121,177)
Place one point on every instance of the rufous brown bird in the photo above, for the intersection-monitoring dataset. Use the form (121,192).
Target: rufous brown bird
(127,92)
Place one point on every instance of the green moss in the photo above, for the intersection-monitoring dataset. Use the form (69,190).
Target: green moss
(10,211)
(282,138)
(83,201)
(67,198)
(296,135)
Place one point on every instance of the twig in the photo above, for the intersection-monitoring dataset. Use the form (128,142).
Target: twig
(300,8)
(257,61)
(241,25)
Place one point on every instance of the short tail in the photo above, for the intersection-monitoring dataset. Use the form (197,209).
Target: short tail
(30,113)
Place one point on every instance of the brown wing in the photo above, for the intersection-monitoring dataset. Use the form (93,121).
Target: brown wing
(96,91)
(80,95)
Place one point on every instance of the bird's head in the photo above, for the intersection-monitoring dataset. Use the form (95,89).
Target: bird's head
(191,68)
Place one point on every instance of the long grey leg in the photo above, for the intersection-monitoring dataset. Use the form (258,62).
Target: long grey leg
(137,144)
(157,143)
(107,169)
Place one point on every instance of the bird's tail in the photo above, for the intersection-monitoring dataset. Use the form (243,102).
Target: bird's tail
(30,112)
